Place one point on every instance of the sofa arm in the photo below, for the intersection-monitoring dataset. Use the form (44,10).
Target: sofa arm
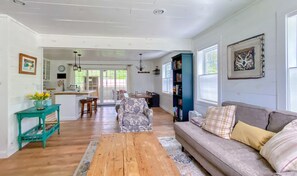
(149,114)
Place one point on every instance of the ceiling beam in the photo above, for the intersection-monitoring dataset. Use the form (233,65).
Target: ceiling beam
(94,42)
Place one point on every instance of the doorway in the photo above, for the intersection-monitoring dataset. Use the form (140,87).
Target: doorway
(106,83)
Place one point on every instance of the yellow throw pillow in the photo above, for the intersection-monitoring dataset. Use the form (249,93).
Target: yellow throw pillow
(251,135)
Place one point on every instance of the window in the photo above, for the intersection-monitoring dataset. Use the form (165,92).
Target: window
(292,63)
(167,78)
(208,74)
(80,79)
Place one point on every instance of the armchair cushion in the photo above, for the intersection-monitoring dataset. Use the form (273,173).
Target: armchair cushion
(134,105)
(135,120)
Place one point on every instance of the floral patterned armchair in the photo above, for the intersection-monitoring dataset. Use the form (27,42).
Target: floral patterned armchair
(134,115)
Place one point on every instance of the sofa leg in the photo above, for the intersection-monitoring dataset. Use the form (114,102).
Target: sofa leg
(183,149)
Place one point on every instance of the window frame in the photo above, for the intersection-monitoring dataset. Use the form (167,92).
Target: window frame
(202,65)
(288,67)
(169,83)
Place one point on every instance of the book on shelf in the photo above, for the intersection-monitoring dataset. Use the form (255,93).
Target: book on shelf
(177,65)
(174,65)
(180,114)
(180,102)
(175,111)
(178,77)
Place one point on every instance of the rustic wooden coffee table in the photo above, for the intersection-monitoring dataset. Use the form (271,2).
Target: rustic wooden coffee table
(123,154)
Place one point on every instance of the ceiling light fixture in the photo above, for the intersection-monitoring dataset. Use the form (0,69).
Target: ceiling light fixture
(75,66)
(141,67)
(159,11)
(156,71)
(79,67)
(19,2)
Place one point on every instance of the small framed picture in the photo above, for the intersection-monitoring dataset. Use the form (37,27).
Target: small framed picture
(246,58)
(27,64)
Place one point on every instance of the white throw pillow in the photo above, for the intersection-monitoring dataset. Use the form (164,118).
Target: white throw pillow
(220,120)
(281,150)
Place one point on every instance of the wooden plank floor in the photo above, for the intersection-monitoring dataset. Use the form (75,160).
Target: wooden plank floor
(63,153)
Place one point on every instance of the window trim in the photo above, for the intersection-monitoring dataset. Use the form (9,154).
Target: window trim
(205,50)
(169,92)
(288,68)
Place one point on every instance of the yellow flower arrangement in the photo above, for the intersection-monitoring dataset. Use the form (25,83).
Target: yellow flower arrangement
(39,96)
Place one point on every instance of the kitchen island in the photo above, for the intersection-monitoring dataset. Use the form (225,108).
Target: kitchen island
(70,105)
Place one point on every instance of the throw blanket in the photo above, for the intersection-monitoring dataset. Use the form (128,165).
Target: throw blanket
(199,121)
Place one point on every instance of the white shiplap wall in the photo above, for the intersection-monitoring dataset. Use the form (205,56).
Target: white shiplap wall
(21,39)
(3,85)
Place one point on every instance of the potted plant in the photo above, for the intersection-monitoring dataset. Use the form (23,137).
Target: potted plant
(39,99)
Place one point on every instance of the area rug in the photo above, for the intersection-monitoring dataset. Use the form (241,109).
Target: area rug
(184,162)
(85,162)
(186,165)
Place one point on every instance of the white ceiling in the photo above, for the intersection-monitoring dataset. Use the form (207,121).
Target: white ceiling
(122,18)
(102,54)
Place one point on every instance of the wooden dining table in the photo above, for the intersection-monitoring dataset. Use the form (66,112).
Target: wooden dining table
(140,95)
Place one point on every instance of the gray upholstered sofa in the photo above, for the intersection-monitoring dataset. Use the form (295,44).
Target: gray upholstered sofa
(228,157)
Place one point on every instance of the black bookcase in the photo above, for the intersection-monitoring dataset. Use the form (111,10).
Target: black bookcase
(182,66)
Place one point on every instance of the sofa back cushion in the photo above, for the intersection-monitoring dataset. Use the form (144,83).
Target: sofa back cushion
(134,105)
(279,119)
(250,114)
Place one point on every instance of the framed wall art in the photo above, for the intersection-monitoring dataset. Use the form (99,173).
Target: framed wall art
(246,58)
(27,64)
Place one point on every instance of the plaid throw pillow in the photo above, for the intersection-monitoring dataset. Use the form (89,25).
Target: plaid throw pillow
(220,121)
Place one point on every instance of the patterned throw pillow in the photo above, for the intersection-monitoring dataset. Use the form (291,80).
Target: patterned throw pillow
(220,120)
(281,150)
(134,105)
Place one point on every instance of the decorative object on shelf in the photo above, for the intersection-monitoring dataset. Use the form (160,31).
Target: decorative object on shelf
(39,99)
(61,68)
(141,67)
(27,64)
(61,84)
(156,71)
(39,104)
(75,67)
(79,67)
(246,58)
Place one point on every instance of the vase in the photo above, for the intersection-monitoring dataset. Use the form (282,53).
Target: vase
(39,105)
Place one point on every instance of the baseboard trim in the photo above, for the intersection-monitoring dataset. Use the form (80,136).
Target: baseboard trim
(166,109)
(3,154)
(13,150)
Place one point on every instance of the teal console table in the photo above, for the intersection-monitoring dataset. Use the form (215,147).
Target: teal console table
(40,132)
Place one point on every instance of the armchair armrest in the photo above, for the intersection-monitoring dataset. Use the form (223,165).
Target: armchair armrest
(149,114)
(121,114)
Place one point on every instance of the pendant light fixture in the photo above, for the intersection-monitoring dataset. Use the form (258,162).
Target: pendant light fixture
(79,67)
(75,66)
(141,67)
(156,71)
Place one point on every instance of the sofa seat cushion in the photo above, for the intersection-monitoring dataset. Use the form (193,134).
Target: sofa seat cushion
(135,120)
(229,156)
